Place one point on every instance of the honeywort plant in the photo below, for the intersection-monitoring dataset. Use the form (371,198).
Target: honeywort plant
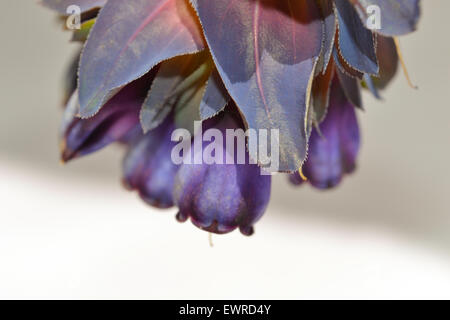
(149,67)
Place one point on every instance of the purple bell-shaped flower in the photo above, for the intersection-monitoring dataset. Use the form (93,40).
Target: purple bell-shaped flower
(222,197)
(332,152)
(148,167)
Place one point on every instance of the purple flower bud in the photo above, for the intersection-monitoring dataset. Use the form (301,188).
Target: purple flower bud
(332,154)
(148,167)
(114,122)
(221,197)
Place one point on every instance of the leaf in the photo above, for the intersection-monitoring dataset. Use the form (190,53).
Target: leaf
(174,77)
(187,85)
(369,83)
(330,25)
(128,39)
(61,5)
(344,66)
(351,88)
(215,98)
(265,52)
(356,43)
(187,108)
(398,17)
(388,60)
(83,33)
(321,92)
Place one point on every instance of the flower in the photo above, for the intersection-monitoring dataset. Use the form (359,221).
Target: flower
(117,120)
(221,197)
(334,147)
(148,168)
(296,67)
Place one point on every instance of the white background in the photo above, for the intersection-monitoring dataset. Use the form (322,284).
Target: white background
(74,232)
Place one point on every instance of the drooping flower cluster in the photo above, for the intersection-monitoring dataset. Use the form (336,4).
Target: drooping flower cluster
(149,67)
